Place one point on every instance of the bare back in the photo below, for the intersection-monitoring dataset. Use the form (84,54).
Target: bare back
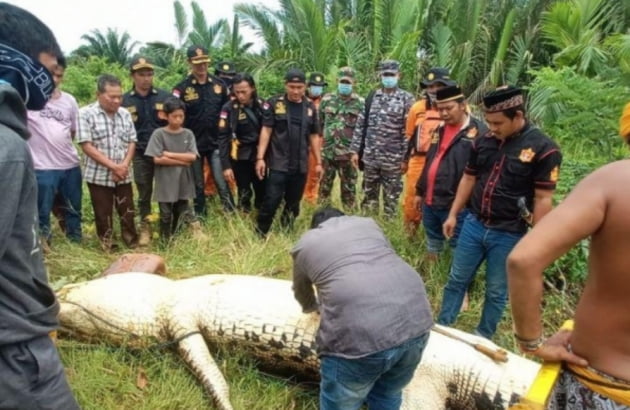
(602,318)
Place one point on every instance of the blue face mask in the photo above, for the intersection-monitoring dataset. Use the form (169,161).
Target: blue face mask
(32,80)
(389,81)
(344,89)
(316,90)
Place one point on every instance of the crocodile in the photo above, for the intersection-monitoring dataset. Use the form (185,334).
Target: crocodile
(260,317)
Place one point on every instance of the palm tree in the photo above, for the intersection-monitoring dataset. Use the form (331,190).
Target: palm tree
(576,29)
(234,44)
(114,47)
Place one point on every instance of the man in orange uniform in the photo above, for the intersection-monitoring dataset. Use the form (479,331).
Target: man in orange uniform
(425,117)
(315,92)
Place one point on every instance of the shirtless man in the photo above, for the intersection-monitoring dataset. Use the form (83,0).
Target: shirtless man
(597,352)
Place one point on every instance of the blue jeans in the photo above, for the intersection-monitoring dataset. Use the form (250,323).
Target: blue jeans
(67,183)
(432,220)
(214,160)
(377,379)
(476,243)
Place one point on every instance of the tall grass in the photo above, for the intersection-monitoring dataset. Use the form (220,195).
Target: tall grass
(107,377)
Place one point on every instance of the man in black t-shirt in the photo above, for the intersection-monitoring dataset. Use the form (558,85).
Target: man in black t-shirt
(290,127)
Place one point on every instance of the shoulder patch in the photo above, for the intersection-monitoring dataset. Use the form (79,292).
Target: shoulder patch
(224,114)
(527,155)
(177,93)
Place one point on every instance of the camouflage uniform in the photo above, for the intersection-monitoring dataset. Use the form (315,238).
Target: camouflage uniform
(385,146)
(338,116)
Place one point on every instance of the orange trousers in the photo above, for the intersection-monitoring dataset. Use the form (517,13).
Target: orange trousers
(411,215)
(311,189)
(209,187)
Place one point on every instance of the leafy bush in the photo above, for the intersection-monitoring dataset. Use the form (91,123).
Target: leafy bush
(580,113)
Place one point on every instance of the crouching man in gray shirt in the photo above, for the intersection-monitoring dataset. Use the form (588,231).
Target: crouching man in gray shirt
(375,316)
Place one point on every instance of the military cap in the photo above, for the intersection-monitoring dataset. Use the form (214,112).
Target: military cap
(226,67)
(448,93)
(503,98)
(346,73)
(140,62)
(198,54)
(295,75)
(437,75)
(316,79)
(390,66)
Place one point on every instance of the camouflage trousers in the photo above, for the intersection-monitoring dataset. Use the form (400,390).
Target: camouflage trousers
(347,179)
(375,176)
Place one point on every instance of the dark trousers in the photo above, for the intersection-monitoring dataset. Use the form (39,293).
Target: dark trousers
(32,377)
(217,173)
(143,170)
(281,185)
(103,200)
(172,215)
(63,186)
(248,185)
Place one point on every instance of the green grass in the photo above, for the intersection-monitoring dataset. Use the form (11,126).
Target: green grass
(105,377)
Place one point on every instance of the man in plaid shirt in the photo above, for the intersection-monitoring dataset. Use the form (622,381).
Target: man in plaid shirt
(108,138)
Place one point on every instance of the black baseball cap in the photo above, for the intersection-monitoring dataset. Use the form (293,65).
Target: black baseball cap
(437,75)
(295,75)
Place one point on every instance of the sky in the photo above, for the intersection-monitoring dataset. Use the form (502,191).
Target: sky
(144,20)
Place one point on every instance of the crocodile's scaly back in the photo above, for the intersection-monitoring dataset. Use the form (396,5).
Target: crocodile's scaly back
(260,317)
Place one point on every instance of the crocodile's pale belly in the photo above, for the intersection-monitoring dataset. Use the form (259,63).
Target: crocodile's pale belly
(259,316)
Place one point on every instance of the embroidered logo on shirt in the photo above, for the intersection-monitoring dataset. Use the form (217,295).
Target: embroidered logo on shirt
(527,155)
(280,108)
(241,115)
(222,123)
(309,112)
(472,133)
(191,94)
(217,89)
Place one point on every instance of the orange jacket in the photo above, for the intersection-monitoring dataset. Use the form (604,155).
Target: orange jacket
(420,126)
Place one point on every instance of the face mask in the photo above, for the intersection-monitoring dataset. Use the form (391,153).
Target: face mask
(389,82)
(316,90)
(344,89)
(31,79)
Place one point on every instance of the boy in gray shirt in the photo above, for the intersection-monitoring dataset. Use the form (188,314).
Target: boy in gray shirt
(173,149)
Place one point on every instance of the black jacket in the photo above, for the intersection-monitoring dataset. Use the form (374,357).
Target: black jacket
(451,166)
(203,104)
(144,113)
(236,121)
